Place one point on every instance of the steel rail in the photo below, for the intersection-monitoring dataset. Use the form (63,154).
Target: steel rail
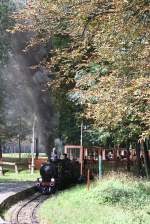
(33,219)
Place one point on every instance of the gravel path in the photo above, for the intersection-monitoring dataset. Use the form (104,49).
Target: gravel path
(9,189)
(24,212)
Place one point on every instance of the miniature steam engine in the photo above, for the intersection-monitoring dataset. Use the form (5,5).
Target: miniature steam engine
(58,174)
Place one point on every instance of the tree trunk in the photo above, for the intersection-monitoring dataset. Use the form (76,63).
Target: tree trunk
(0,151)
(19,143)
(36,148)
(146,157)
(128,160)
(138,159)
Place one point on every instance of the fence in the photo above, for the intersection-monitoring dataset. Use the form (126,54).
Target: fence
(113,159)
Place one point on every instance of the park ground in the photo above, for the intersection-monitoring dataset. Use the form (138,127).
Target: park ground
(24,173)
(115,199)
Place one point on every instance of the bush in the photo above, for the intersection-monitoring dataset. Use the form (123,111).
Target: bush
(133,195)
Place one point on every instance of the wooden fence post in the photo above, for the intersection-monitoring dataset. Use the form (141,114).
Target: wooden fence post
(1,170)
(16,168)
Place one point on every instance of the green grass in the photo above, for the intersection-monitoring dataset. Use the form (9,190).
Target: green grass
(24,175)
(16,155)
(113,200)
(23,155)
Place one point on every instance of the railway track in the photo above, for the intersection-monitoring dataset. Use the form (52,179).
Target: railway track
(25,212)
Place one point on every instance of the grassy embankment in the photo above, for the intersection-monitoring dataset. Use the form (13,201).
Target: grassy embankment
(113,200)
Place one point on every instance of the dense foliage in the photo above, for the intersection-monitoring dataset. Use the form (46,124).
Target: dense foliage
(103,66)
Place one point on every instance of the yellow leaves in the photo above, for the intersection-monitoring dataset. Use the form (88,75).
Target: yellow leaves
(99,30)
(119,98)
(54,8)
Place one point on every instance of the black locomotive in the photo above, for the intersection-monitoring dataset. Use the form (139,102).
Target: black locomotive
(58,174)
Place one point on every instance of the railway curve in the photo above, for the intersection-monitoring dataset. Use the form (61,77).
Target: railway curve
(25,212)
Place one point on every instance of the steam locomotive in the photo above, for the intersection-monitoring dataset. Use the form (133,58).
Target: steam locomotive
(58,174)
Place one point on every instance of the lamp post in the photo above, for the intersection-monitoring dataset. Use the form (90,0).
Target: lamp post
(1,167)
(81,145)
(81,149)
(81,134)
(82,128)
(19,137)
(33,145)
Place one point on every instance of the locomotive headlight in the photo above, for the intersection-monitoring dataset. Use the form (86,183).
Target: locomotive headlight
(40,179)
(52,180)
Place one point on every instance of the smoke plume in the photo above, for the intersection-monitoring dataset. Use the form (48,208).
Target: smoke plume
(27,90)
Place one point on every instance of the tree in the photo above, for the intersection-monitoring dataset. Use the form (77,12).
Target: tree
(6,8)
(105,63)
(4,23)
